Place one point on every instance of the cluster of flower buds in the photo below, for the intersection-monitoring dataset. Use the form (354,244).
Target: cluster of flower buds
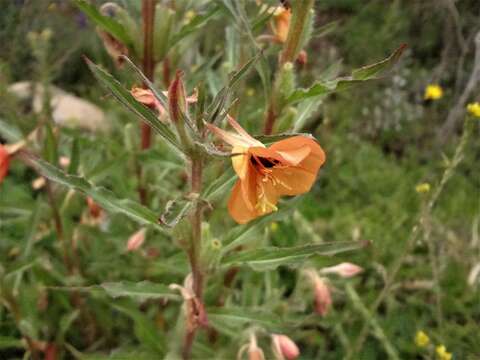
(283,348)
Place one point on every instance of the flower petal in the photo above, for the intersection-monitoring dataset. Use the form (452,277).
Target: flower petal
(297,179)
(241,131)
(229,137)
(238,208)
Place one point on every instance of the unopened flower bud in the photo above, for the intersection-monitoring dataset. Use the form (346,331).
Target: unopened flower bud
(177,103)
(93,208)
(136,240)
(323,297)
(64,161)
(284,348)
(345,270)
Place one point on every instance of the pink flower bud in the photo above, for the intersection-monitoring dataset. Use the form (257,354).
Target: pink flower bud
(345,270)
(323,297)
(136,240)
(284,348)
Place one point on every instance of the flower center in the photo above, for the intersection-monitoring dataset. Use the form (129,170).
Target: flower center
(264,162)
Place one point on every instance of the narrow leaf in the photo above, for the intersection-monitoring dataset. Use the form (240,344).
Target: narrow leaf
(124,97)
(141,290)
(358,76)
(271,257)
(106,23)
(105,198)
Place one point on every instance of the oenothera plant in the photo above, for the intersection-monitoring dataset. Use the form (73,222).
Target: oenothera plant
(263,174)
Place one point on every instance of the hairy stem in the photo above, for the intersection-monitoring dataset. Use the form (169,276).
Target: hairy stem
(195,248)
(295,32)
(290,52)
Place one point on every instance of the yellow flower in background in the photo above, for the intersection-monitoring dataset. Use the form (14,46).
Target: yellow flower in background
(422,188)
(442,353)
(474,109)
(421,339)
(433,92)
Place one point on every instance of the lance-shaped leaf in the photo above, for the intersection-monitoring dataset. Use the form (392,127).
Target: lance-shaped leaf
(235,317)
(143,290)
(105,198)
(270,258)
(125,98)
(358,76)
(11,342)
(140,291)
(106,23)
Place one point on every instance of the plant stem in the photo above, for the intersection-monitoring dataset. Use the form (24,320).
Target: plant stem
(195,248)
(148,68)
(58,226)
(148,64)
(295,32)
(291,48)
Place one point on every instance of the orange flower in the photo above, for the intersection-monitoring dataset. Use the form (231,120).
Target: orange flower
(4,162)
(281,23)
(287,167)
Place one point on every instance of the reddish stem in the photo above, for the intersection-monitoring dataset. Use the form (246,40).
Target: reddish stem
(148,65)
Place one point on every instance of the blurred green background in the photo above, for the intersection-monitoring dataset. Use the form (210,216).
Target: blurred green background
(382,139)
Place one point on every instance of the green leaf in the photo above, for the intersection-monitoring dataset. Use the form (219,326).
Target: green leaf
(141,290)
(234,317)
(50,145)
(236,76)
(74,156)
(358,76)
(125,98)
(106,23)
(105,198)
(10,132)
(145,330)
(158,94)
(194,25)
(370,71)
(240,234)
(220,185)
(11,342)
(270,258)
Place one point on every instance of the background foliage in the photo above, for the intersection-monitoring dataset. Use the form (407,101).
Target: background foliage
(381,140)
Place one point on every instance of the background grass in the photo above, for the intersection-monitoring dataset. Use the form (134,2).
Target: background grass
(380,140)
